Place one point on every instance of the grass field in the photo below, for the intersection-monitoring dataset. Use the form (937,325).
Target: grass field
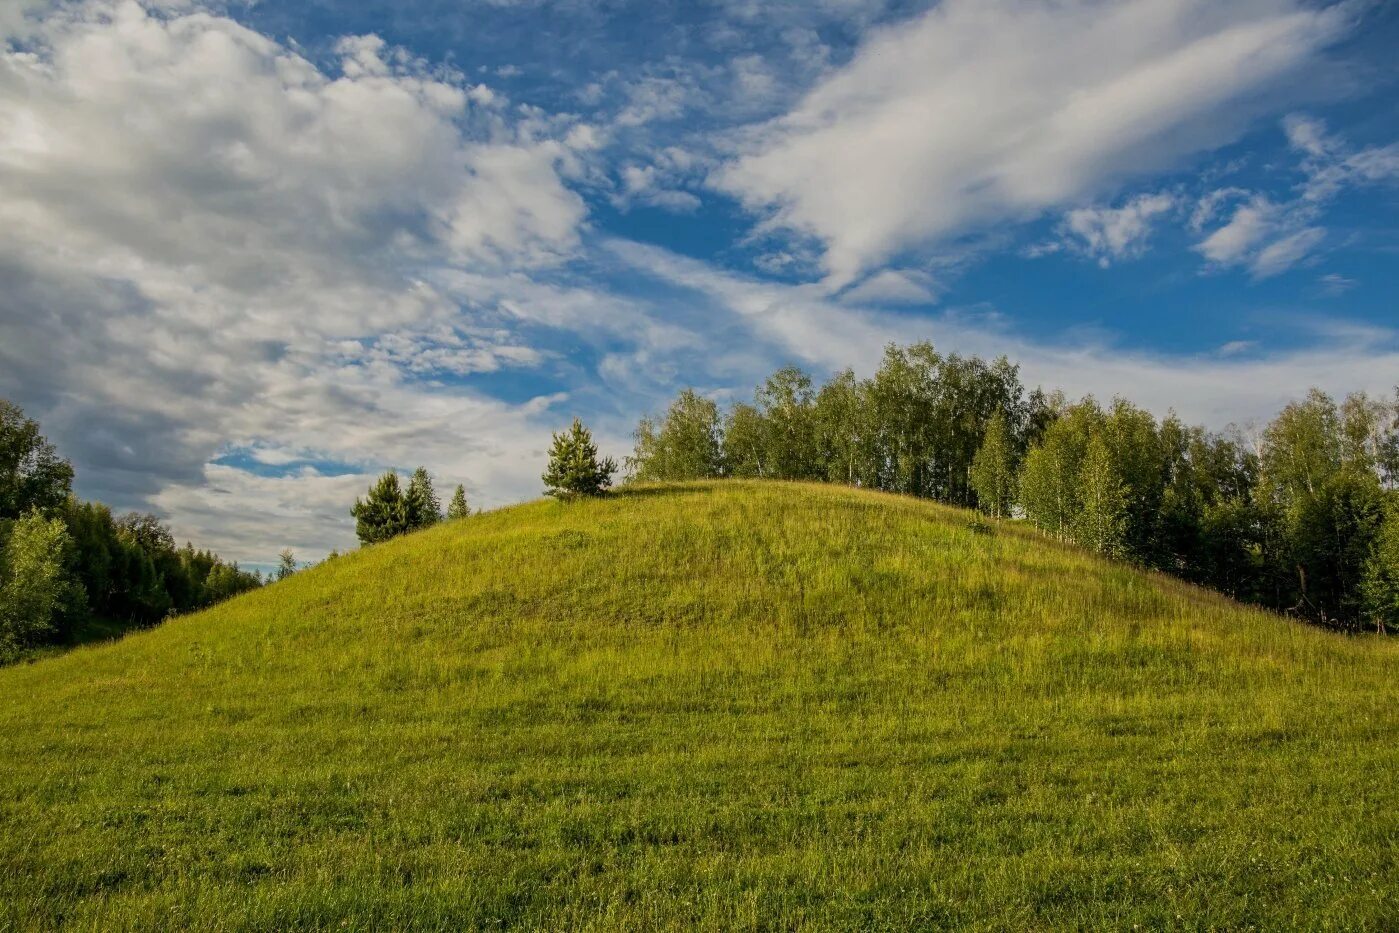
(725,706)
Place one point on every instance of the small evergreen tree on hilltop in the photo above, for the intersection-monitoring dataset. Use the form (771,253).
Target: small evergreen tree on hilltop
(458,508)
(574,467)
(383,513)
(421,501)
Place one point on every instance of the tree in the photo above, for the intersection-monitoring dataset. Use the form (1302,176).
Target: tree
(420,501)
(1320,483)
(844,436)
(383,514)
(1101,520)
(457,508)
(35,587)
(745,442)
(1137,459)
(684,446)
(574,467)
(993,468)
(1380,586)
(32,475)
(286,564)
(1049,476)
(787,403)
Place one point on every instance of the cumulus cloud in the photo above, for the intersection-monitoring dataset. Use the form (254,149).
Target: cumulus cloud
(207,240)
(236,282)
(1108,234)
(986,110)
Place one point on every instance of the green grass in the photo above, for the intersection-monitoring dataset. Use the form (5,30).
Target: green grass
(724,706)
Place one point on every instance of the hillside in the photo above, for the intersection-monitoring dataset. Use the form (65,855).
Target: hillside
(726,705)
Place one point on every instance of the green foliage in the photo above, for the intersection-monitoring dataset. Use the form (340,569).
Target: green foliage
(1290,524)
(420,501)
(745,443)
(35,586)
(684,446)
(786,404)
(1100,523)
(845,432)
(123,572)
(574,468)
(1049,478)
(1320,489)
(286,564)
(458,508)
(1380,586)
(383,513)
(727,706)
(993,468)
(32,475)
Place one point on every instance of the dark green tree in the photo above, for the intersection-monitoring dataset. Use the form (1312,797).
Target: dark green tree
(383,513)
(458,508)
(574,467)
(32,475)
(420,500)
(1320,485)
(1380,585)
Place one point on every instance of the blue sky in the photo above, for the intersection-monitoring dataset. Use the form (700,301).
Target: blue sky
(253,253)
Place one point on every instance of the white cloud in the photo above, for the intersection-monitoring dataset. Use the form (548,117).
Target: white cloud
(986,110)
(1329,163)
(1270,237)
(1113,233)
(208,242)
(798,324)
(1285,253)
(1237,241)
(647,184)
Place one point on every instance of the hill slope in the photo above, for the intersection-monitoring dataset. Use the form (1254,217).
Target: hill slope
(722,705)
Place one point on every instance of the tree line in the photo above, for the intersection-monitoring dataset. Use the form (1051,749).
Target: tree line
(1302,516)
(390,509)
(66,564)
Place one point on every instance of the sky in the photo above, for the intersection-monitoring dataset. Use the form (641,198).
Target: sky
(252,254)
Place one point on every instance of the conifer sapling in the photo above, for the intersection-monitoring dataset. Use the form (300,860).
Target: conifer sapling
(574,467)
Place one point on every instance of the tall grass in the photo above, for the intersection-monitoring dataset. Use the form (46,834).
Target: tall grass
(726,706)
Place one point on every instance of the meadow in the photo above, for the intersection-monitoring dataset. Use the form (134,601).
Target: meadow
(731,705)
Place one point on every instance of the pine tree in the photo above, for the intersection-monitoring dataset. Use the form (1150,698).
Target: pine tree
(421,501)
(457,508)
(993,468)
(383,514)
(574,467)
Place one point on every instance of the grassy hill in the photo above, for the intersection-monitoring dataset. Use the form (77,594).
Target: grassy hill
(721,705)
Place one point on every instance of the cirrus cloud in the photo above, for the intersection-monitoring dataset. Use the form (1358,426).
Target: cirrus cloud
(980,111)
